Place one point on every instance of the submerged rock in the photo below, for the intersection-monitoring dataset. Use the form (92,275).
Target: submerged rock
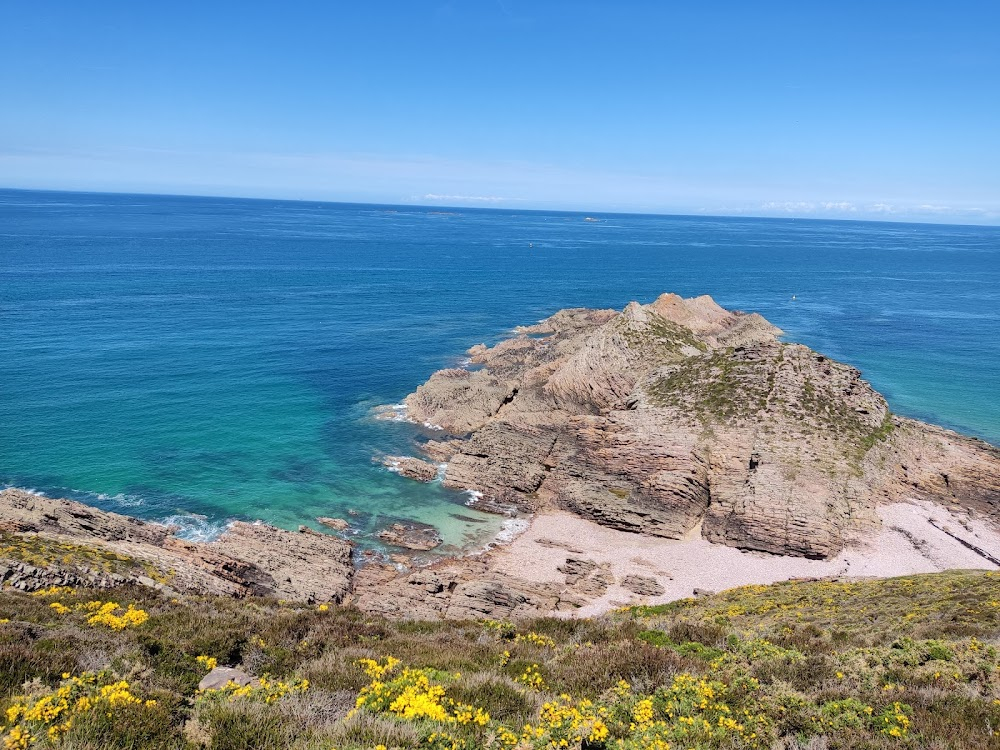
(411,535)
(337,524)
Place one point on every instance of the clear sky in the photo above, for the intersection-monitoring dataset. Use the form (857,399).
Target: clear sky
(839,110)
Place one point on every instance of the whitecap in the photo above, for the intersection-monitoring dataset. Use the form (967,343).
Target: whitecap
(474,496)
(511,529)
(195,528)
(29,490)
(392,412)
(121,499)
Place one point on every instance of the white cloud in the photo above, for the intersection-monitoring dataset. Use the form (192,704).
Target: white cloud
(791,207)
(462,198)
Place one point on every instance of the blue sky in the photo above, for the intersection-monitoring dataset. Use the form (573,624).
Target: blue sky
(835,110)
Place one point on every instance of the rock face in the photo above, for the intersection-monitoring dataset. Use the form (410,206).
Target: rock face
(460,590)
(665,416)
(249,559)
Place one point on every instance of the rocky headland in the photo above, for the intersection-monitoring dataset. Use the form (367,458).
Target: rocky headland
(680,420)
(679,414)
(659,449)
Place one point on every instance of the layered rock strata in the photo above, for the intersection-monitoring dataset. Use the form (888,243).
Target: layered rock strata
(679,414)
(249,559)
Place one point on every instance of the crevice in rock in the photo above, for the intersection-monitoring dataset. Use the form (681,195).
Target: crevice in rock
(508,399)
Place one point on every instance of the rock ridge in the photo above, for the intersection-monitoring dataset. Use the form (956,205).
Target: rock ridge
(680,414)
(107,549)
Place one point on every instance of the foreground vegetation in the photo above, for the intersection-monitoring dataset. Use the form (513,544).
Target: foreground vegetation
(903,663)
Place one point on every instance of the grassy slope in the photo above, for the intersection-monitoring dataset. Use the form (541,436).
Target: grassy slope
(797,665)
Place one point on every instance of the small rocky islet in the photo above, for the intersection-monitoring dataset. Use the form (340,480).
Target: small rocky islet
(667,420)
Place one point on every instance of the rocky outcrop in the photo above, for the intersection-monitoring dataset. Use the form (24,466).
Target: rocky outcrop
(411,468)
(670,419)
(472,589)
(107,549)
(411,535)
(643,585)
(453,590)
(337,524)
(679,414)
(299,566)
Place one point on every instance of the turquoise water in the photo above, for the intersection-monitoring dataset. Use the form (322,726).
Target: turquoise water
(206,359)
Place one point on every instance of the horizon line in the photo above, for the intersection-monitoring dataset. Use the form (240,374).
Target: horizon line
(583,212)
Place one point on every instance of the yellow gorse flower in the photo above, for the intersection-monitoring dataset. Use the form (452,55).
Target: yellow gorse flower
(52,713)
(106,613)
(265,689)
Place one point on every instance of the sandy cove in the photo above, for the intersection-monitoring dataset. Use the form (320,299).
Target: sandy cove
(561,564)
(908,543)
(675,446)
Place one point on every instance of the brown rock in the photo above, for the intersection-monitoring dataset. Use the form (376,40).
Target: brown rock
(453,589)
(667,416)
(249,559)
(337,524)
(302,567)
(411,535)
(643,585)
(411,468)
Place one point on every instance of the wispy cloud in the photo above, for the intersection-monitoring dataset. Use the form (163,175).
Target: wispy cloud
(463,198)
(790,207)
(428,179)
(876,210)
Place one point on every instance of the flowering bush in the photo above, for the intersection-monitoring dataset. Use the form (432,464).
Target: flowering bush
(265,689)
(411,694)
(49,714)
(106,613)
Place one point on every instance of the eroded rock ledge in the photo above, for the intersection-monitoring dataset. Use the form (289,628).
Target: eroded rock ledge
(669,415)
(106,549)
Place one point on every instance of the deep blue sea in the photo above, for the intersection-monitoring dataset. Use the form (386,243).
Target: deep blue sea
(203,359)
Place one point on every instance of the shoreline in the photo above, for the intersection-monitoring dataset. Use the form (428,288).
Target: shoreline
(906,544)
(558,564)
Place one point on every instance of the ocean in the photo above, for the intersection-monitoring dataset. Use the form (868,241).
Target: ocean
(205,359)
